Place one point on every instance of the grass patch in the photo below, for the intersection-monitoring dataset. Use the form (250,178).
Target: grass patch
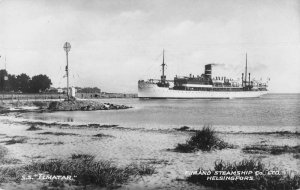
(205,140)
(183,128)
(102,135)
(66,125)
(296,156)
(158,161)
(33,128)
(287,133)
(9,161)
(281,181)
(11,174)
(16,140)
(54,143)
(267,149)
(35,157)
(38,123)
(3,151)
(141,169)
(96,125)
(282,133)
(57,133)
(87,170)
(3,159)
(82,156)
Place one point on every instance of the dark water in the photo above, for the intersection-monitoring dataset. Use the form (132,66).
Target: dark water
(277,110)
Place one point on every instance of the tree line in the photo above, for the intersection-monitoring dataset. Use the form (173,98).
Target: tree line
(23,83)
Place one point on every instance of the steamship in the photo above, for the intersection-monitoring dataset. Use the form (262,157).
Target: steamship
(204,86)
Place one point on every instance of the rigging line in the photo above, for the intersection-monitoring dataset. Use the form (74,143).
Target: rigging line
(148,70)
(159,56)
(152,65)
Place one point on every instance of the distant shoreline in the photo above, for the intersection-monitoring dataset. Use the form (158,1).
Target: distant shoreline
(52,96)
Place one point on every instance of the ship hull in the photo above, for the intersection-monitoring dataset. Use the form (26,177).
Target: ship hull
(151,90)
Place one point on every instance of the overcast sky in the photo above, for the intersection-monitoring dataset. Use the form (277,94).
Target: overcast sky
(115,43)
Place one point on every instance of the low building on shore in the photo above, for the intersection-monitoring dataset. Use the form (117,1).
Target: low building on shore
(60,90)
(51,90)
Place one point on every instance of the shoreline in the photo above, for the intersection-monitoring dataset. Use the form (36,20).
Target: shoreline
(50,96)
(57,105)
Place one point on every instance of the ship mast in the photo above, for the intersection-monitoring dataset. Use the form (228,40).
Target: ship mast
(246,72)
(5,62)
(163,77)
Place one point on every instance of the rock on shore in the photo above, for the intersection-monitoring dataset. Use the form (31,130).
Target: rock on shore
(83,105)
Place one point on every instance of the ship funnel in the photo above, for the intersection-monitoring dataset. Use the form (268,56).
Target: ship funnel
(208,70)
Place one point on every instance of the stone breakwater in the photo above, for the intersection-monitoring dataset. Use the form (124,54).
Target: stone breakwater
(83,105)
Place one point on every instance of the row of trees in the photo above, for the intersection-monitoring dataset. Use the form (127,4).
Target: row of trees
(23,83)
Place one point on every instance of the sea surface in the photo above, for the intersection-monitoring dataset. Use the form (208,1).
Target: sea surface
(271,111)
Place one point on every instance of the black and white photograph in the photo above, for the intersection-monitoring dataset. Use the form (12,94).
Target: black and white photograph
(149,94)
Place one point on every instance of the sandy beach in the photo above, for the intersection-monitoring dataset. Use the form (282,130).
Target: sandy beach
(123,145)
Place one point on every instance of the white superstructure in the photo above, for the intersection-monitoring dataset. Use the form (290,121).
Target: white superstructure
(148,89)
